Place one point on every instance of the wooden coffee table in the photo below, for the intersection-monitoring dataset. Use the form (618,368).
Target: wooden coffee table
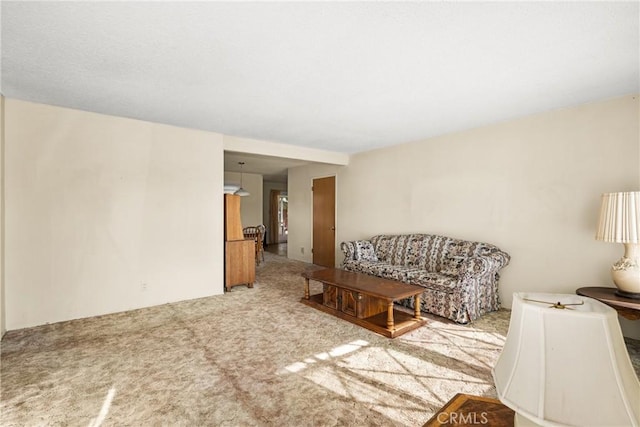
(364,300)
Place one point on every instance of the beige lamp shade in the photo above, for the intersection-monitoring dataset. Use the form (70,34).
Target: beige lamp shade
(620,218)
(620,223)
(567,366)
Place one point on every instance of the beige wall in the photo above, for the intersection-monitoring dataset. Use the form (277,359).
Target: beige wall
(105,214)
(97,206)
(251,205)
(531,186)
(300,209)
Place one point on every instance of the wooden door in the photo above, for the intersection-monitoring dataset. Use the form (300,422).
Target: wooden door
(349,302)
(324,221)
(330,296)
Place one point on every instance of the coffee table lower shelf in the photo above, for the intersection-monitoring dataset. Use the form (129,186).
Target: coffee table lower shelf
(403,322)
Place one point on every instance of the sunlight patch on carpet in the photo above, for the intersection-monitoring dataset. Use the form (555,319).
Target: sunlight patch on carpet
(342,350)
(477,348)
(398,385)
(335,352)
(413,375)
(96,422)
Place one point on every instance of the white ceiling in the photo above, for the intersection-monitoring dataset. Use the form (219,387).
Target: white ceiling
(337,76)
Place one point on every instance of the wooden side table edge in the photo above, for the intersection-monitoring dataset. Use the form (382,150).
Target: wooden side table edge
(626,307)
(457,401)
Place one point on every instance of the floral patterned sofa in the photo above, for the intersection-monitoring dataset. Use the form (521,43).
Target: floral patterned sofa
(459,277)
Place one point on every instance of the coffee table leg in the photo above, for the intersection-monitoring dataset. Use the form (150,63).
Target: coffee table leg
(306,288)
(417,309)
(390,316)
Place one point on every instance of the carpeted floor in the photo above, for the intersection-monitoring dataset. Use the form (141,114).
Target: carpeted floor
(251,357)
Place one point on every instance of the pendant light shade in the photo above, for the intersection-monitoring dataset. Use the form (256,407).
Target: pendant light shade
(241,191)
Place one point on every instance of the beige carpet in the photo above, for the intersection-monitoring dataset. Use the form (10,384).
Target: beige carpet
(251,357)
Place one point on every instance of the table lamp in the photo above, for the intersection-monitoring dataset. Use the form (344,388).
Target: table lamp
(565,363)
(620,223)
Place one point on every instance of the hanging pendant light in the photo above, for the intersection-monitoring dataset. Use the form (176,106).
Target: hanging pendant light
(241,191)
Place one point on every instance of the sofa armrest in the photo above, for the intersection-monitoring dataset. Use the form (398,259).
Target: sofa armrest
(497,260)
(485,264)
(479,282)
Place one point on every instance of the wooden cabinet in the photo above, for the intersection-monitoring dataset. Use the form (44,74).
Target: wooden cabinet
(239,253)
(351,302)
(240,261)
(232,221)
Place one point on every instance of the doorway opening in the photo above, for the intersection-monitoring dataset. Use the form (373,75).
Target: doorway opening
(283,218)
(278,228)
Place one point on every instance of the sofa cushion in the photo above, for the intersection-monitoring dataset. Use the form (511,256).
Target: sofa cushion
(364,251)
(456,255)
(384,246)
(459,248)
(435,281)
(412,250)
(412,275)
(451,265)
(415,250)
(384,270)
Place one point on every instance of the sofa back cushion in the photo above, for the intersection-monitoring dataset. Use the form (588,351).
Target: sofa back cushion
(465,248)
(429,251)
(411,250)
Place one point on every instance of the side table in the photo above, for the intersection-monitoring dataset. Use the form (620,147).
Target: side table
(468,410)
(628,308)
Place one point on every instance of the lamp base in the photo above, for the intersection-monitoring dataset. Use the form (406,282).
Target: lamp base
(522,421)
(625,294)
(626,272)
